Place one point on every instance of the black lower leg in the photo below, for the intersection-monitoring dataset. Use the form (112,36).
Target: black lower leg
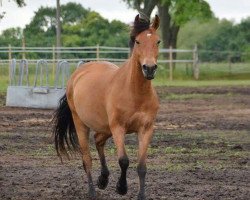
(103,179)
(92,192)
(142,170)
(121,186)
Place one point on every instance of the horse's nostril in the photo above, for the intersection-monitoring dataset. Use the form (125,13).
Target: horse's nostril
(144,67)
(155,67)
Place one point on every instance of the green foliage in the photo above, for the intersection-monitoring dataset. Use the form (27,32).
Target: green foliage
(194,32)
(93,30)
(73,13)
(11,35)
(222,40)
(41,30)
(80,27)
(182,11)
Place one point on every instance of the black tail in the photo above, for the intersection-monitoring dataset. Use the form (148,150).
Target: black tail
(64,129)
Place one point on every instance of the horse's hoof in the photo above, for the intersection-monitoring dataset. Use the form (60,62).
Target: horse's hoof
(102,182)
(92,195)
(122,188)
(141,197)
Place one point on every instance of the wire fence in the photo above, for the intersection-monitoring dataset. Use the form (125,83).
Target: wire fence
(116,55)
(173,63)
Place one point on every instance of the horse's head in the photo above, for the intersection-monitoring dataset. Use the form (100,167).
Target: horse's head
(145,42)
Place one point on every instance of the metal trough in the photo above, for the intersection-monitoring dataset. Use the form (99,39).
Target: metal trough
(21,94)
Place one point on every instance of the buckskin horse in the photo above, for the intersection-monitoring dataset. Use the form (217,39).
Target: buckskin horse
(112,101)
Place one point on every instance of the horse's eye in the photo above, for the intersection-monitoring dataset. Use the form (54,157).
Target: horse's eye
(137,42)
(159,42)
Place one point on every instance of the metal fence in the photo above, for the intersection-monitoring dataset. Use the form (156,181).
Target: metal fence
(96,53)
(174,63)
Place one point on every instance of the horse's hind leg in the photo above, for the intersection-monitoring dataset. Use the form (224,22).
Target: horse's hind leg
(83,137)
(100,140)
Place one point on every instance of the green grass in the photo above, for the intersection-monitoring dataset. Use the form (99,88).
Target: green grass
(211,150)
(211,74)
(173,151)
(200,83)
(172,96)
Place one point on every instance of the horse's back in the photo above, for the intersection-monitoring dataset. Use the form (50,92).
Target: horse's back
(96,68)
(93,73)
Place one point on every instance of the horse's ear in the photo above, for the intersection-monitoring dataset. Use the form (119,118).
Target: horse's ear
(156,22)
(137,18)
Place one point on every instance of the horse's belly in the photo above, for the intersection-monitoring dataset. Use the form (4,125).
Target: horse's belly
(89,98)
(91,112)
(95,120)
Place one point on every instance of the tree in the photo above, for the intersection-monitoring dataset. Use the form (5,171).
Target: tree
(73,13)
(219,40)
(173,15)
(10,36)
(93,30)
(43,24)
(144,7)
(80,27)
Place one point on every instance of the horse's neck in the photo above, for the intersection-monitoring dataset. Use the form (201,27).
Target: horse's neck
(135,79)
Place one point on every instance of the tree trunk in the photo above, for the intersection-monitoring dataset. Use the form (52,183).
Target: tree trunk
(148,7)
(165,19)
(169,32)
(58,28)
(174,30)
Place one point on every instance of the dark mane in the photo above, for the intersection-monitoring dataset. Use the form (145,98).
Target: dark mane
(139,26)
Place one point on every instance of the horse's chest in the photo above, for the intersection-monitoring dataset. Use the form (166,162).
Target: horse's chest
(135,114)
(138,120)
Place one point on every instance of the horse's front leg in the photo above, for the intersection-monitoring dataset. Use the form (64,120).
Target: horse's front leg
(100,140)
(118,134)
(144,138)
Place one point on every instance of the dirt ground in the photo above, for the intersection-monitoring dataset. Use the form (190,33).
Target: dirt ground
(201,150)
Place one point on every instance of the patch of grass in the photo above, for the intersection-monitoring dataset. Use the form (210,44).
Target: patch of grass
(208,71)
(172,151)
(200,83)
(47,150)
(210,150)
(211,74)
(2,98)
(172,96)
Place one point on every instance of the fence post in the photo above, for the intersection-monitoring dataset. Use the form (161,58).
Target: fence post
(53,61)
(23,48)
(170,63)
(10,58)
(97,52)
(196,70)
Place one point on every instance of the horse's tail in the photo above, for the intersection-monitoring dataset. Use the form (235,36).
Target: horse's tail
(65,137)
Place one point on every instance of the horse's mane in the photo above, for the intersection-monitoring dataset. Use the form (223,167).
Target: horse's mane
(139,26)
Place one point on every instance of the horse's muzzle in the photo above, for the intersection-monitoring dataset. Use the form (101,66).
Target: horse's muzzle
(149,71)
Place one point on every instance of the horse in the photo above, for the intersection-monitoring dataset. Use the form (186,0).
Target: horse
(112,101)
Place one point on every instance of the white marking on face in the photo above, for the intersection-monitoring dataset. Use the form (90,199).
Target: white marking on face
(149,35)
